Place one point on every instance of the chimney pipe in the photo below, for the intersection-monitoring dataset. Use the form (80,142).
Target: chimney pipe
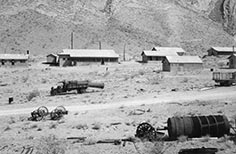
(27,52)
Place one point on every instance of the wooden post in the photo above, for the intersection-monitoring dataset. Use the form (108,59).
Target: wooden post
(10,100)
(72,40)
(124,52)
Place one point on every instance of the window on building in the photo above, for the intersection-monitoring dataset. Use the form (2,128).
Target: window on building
(13,62)
(3,63)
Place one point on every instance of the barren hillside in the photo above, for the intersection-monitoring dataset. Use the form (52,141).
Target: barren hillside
(44,26)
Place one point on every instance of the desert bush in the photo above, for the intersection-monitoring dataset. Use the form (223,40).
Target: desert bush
(96,126)
(51,145)
(81,126)
(52,126)
(7,128)
(141,72)
(34,93)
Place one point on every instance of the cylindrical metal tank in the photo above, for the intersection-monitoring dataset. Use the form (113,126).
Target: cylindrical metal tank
(197,126)
(96,85)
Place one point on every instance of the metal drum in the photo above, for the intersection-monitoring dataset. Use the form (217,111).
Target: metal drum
(198,126)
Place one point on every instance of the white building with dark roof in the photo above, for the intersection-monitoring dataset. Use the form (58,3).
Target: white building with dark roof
(182,63)
(70,57)
(13,60)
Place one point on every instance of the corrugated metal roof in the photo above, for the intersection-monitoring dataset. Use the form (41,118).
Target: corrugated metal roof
(169,49)
(183,59)
(13,57)
(159,53)
(224,49)
(87,53)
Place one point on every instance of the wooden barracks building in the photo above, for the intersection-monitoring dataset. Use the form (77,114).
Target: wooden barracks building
(182,63)
(13,60)
(70,57)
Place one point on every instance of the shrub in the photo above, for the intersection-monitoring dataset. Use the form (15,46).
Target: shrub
(34,93)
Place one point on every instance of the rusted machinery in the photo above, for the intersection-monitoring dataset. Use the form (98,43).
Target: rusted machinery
(42,113)
(197,126)
(224,78)
(79,86)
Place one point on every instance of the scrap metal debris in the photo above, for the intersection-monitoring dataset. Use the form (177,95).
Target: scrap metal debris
(202,150)
(42,113)
(27,150)
(191,127)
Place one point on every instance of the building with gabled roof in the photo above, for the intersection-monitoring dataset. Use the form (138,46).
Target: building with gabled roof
(182,63)
(148,55)
(70,57)
(178,50)
(52,59)
(14,59)
(216,51)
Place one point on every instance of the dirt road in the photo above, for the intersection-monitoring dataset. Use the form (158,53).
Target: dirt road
(223,93)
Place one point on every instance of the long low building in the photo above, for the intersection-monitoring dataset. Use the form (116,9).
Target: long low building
(182,63)
(70,57)
(13,60)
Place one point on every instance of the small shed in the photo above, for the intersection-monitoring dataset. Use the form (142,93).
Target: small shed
(178,50)
(13,60)
(52,59)
(217,51)
(182,63)
(232,61)
(70,57)
(148,55)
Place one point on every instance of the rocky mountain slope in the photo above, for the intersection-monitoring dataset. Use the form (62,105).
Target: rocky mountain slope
(44,26)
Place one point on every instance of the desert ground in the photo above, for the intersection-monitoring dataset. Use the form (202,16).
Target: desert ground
(133,93)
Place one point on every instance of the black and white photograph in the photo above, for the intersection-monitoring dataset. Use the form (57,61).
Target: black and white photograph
(117,76)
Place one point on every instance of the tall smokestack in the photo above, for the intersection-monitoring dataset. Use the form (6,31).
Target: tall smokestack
(72,41)
(100,45)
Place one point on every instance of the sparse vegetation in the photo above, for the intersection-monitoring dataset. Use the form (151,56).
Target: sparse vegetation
(51,145)
(33,94)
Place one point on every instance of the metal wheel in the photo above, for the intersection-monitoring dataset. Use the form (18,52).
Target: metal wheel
(36,116)
(42,111)
(61,108)
(146,131)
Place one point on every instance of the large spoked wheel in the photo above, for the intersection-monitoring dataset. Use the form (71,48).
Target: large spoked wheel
(61,109)
(146,131)
(43,111)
